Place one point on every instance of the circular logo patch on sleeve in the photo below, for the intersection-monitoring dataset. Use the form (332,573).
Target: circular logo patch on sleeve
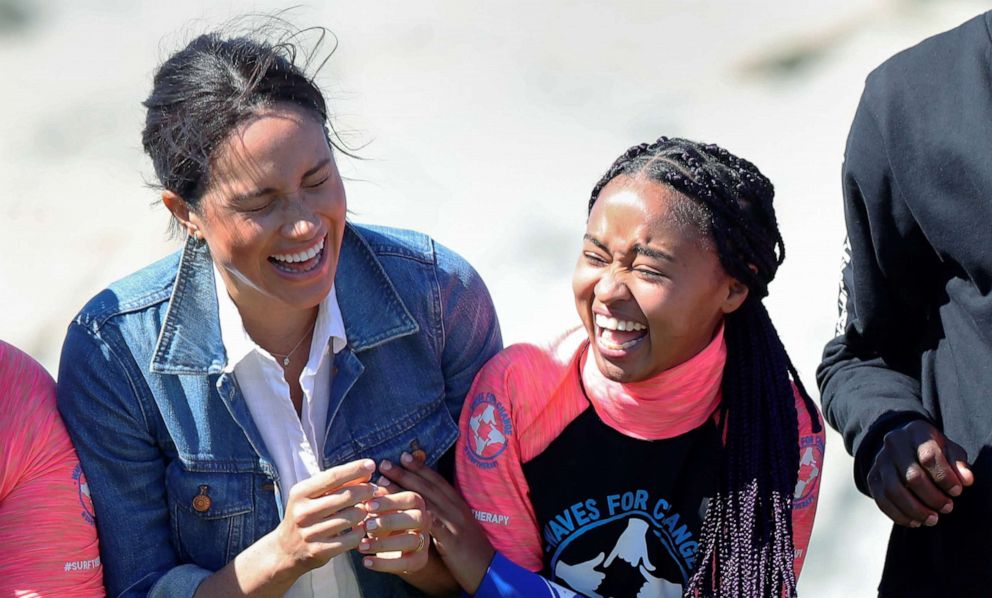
(83,492)
(489,430)
(810,461)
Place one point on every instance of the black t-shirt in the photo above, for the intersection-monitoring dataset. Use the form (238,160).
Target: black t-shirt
(616,513)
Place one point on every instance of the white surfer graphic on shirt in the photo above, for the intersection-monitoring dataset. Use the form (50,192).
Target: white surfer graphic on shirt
(631,547)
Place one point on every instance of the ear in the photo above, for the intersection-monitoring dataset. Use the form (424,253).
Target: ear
(188,219)
(737,293)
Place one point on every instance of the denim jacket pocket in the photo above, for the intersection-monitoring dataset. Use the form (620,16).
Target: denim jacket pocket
(429,429)
(211,514)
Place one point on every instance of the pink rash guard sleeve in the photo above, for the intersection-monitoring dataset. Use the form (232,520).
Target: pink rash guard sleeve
(811,449)
(48,542)
(489,469)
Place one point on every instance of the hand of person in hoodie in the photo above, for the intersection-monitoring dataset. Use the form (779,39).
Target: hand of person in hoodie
(917,474)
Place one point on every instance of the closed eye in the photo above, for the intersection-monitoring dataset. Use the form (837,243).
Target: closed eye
(256,206)
(594,259)
(318,183)
(649,273)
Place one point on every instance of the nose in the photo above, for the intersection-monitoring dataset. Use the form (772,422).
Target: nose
(301,222)
(611,287)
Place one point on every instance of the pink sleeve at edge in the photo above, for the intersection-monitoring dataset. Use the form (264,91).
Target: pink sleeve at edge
(488,468)
(811,451)
(46,518)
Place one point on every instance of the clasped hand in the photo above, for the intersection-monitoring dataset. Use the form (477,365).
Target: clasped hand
(917,474)
(460,540)
(339,509)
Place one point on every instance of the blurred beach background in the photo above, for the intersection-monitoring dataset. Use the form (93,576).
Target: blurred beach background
(484,124)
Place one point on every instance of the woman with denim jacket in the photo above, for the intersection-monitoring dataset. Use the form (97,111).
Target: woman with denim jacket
(229,402)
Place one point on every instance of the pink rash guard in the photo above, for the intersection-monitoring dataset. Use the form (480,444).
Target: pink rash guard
(48,543)
(526,396)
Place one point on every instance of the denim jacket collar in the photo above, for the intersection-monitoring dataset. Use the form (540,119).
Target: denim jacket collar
(190,339)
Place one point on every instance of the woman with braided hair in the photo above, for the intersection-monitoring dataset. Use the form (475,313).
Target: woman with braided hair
(667,446)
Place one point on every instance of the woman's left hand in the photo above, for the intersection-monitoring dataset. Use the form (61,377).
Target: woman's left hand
(459,538)
(399,524)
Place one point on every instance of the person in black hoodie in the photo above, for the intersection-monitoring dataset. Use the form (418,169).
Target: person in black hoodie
(908,379)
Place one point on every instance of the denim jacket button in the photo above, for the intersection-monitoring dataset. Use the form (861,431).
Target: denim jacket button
(418,453)
(202,502)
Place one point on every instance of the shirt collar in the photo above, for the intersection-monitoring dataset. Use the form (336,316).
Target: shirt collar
(328,329)
(190,338)
(330,324)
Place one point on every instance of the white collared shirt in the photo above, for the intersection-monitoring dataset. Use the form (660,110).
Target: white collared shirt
(295,443)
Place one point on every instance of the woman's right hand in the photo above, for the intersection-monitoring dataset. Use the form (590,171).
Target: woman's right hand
(324,516)
(323,519)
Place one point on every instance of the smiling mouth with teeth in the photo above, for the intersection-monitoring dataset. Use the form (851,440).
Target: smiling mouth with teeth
(304,261)
(618,335)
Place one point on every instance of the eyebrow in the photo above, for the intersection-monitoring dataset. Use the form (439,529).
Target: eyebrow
(638,249)
(242,197)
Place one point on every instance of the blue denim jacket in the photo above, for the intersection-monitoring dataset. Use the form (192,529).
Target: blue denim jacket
(157,423)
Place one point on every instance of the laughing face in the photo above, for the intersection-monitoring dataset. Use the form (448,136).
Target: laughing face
(273,214)
(648,286)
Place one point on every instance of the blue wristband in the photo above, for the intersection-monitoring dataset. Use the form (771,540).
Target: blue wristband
(506,579)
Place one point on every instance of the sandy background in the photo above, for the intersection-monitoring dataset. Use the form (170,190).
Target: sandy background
(484,124)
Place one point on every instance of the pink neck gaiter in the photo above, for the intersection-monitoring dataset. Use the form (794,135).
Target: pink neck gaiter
(667,405)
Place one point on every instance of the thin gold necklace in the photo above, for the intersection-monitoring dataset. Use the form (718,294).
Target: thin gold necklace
(285,358)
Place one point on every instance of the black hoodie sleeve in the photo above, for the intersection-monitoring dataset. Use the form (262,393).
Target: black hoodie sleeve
(870,374)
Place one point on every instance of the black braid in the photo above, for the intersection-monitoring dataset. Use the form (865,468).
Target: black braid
(746,544)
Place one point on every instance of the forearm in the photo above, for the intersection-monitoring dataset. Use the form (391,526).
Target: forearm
(863,399)
(257,571)
(506,579)
(434,578)
(870,375)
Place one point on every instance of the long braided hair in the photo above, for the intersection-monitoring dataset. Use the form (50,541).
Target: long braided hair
(746,544)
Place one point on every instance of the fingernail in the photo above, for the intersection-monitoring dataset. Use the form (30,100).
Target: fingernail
(364,545)
(955,490)
(374,506)
(931,520)
(367,563)
(406,458)
(914,524)
(383,482)
(386,466)
(371,524)
(947,508)
(368,464)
